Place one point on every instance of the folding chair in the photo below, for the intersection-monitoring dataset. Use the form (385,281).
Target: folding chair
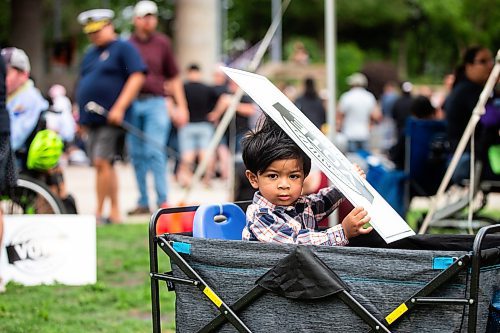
(426,162)
(387,180)
(221,221)
(425,158)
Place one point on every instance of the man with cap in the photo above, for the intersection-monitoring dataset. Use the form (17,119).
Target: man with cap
(357,107)
(24,101)
(111,75)
(149,111)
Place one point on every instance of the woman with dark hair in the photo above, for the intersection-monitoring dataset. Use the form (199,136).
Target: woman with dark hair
(311,104)
(470,78)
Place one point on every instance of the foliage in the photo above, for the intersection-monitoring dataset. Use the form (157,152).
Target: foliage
(429,35)
(349,60)
(311,45)
(119,301)
(424,38)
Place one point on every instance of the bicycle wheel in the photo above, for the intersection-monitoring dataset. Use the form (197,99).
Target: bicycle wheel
(30,196)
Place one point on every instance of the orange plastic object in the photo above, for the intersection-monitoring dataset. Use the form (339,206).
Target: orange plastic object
(175,223)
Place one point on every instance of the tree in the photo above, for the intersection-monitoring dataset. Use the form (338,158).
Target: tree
(26,31)
(423,37)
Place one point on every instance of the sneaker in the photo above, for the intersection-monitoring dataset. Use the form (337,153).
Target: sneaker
(139,211)
(103,220)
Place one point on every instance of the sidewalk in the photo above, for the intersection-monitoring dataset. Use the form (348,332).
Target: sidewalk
(80,181)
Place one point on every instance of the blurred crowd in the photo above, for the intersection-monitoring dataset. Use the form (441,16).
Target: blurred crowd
(166,123)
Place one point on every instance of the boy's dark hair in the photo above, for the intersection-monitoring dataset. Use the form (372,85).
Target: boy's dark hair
(270,143)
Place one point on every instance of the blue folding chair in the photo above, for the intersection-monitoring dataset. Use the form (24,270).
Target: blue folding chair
(389,184)
(426,156)
(220,221)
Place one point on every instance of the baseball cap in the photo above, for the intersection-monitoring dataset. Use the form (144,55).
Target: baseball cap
(145,7)
(357,79)
(95,19)
(57,90)
(407,87)
(16,58)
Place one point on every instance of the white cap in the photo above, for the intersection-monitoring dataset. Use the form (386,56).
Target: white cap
(407,87)
(57,90)
(357,79)
(145,7)
(16,58)
(95,19)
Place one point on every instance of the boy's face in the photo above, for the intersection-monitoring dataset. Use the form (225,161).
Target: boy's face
(281,183)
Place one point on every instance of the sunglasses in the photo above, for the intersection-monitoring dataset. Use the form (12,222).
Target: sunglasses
(483,61)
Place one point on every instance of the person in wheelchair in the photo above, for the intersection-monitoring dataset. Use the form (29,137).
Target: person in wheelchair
(25,103)
(37,149)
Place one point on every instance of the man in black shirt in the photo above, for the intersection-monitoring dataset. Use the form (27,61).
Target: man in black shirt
(195,137)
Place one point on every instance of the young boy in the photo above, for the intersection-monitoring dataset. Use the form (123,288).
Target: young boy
(277,167)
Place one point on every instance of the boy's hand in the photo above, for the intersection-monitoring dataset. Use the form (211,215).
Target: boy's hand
(354,221)
(359,170)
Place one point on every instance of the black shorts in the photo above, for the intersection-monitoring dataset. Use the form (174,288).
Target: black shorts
(105,142)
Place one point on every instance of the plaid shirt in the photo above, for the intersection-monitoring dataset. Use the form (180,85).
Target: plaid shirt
(295,224)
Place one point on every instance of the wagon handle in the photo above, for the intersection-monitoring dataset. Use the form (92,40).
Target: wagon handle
(476,263)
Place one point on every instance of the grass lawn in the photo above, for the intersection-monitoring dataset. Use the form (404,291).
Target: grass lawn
(118,302)
(414,216)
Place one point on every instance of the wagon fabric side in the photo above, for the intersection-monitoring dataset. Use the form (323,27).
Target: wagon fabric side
(379,279)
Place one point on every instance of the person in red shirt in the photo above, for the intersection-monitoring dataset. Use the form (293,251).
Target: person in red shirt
(149,111)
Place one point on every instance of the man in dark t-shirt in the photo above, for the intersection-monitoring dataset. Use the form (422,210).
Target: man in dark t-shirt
(149,112)
(245,110)
(195,137)
(111,75)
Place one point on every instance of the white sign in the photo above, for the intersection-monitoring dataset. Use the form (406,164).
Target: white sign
(47,249)
(331,161)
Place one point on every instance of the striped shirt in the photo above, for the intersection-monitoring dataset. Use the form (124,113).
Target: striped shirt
(295,224)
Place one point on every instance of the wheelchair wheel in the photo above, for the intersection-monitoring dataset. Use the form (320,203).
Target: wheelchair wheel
(30,196)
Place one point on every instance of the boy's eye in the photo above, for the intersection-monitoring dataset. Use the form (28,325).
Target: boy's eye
(272,176)
(294,176)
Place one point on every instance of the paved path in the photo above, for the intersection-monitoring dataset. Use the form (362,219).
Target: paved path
(80,181)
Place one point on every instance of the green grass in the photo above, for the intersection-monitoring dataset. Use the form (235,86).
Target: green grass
(119,301)
(417,215)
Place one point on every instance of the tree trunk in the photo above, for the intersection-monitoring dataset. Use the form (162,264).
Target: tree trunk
(27,32)
(403,57)
(196,34)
